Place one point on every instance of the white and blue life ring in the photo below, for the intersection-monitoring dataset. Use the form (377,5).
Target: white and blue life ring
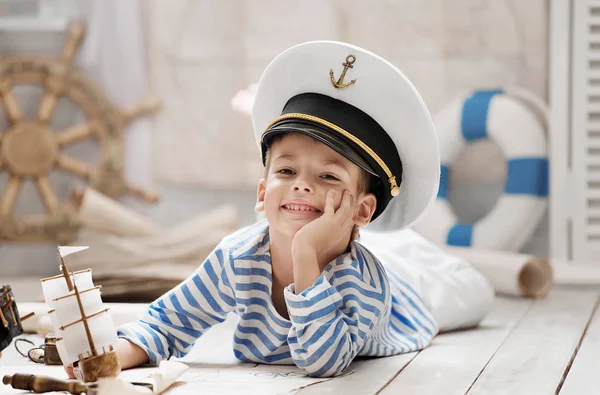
(517,122)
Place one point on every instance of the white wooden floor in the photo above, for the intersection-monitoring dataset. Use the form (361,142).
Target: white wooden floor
(547,346)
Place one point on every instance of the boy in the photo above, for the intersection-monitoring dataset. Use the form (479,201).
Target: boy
(343,135)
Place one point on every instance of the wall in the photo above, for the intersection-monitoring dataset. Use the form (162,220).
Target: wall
(201,52)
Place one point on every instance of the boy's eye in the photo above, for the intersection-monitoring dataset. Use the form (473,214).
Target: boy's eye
(285,171)
(329,177)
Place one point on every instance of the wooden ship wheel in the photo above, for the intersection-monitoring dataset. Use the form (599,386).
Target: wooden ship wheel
(31,150)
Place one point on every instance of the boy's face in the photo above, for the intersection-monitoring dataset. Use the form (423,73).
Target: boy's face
(301,171)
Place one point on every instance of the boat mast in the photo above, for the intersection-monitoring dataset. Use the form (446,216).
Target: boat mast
(85,323)
(71,286)
(65,271)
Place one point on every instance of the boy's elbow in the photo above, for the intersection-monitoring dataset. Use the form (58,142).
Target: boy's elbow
(324,359)
(320,369)
(318,375)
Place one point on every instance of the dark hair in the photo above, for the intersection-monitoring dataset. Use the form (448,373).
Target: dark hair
(366,181)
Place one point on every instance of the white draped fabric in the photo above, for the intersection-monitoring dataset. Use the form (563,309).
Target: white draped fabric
(114,55)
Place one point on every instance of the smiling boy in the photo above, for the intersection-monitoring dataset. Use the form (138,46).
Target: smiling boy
(312,197)
(344,138)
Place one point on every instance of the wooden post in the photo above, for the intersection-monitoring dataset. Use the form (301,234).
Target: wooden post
(12,312)
(3,319)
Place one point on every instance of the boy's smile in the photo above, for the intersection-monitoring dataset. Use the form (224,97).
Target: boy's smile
(300,207)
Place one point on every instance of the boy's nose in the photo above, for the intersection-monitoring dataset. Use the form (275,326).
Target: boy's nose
(301,185)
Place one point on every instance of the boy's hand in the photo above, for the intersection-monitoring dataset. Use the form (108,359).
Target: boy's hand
(130,356)
(324,234)
(69,371)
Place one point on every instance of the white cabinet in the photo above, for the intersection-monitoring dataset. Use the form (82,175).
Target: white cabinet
(574,132)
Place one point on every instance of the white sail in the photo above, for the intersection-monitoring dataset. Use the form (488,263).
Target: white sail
(65,357)
(103,333)
(60,344)
(68,250)
(54,322)
(67,308)
(56,287)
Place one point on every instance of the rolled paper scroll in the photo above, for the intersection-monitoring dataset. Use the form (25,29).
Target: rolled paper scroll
(510,273)
(99,212)
(113,254)
(157,382)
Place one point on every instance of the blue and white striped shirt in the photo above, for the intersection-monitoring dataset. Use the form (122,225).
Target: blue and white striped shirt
(355,308)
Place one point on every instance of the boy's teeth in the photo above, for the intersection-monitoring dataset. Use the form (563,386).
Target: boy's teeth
(297,207)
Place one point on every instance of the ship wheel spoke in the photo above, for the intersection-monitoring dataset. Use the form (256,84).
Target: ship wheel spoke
(47,194)
(54,83)
(9,196)
(74,166)
(13,111)
(149,105)
(47,106)
(75,133)
(74,38)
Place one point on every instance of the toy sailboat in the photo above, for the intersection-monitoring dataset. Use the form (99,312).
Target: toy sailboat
(86,335)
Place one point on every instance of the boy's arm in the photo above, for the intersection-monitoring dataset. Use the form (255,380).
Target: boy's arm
(130,355)
(178,318)
(330,323)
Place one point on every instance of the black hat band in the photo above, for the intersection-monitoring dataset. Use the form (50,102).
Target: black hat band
(394,188)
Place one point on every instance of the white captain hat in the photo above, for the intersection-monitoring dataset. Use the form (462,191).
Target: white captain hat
(362,106)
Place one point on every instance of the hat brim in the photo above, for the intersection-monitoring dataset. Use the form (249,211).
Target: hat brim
(324,136)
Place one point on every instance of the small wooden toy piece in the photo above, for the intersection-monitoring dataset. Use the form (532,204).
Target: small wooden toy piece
(10,320)
(51,356)
(41,384)
(86,335)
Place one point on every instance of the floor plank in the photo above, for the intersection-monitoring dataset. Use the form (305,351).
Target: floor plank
(537,352)
(453,362)
(522,347)
(365,376)
(582,378)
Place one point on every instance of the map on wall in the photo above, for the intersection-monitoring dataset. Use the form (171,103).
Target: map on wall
(202,52)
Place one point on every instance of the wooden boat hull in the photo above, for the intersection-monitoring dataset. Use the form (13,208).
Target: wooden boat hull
(93,368)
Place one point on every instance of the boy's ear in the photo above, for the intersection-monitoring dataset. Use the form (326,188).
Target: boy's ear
(366,208)
(260,196)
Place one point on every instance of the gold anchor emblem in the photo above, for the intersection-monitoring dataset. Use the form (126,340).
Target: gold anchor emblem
(348,64)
